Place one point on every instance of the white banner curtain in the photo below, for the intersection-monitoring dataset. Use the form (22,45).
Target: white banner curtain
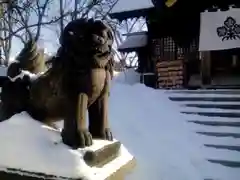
(220,30)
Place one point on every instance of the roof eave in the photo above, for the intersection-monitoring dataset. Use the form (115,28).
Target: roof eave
(135,33)
(130,14)
(129,50)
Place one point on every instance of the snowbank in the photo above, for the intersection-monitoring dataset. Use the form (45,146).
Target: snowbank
(3,71)
(165,145)
(149,125)
(130,76)
(28,145)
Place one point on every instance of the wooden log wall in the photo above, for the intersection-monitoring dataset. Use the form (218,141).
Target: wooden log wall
(170,74)
(169,63)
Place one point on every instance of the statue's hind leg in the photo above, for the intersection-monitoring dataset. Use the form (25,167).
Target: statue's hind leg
(98,119)
(14,99)
(69,132)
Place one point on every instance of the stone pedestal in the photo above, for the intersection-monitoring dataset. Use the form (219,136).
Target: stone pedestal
(112,160)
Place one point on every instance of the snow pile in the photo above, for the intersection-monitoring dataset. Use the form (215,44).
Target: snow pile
(164,143)
(26,73)
(3,71)
(28,145)
(150,126)
(129,76)
(126,5)
(116,73)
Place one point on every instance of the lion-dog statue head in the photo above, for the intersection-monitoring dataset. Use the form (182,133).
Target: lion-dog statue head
(89,39)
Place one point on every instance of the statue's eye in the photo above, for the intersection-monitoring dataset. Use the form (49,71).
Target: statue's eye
(71,33)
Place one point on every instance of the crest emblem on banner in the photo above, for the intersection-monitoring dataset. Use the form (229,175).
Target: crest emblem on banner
(230,30)
(220,30)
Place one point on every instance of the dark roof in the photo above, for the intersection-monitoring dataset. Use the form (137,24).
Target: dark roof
(201,5)
(124,9)
(134,41)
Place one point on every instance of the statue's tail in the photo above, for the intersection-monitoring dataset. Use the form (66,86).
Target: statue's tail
(31,58)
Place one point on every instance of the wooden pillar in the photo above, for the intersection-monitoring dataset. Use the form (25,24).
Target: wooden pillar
(206,68)
(1,33)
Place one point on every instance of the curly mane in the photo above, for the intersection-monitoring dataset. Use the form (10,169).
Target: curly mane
(85,44)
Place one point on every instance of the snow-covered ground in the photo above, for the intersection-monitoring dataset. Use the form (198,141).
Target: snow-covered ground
(150,126)
(3,71)
(153,130)
(164,143)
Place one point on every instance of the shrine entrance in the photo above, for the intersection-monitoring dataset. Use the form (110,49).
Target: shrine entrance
(225,68)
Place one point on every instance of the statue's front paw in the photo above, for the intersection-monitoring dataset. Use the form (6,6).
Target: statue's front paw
(107,134)
(85,138)
(77,139)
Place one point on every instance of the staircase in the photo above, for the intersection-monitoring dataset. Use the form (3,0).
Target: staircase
(215,116)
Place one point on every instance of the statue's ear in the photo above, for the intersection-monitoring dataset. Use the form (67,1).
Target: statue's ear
(91,21)
(110,34)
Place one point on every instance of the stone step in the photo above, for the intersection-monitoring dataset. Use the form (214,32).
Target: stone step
(215,114)
(233,164)
(211,99)
(207,102)
(196,117)
(227,147)
(218,106)
(216,123)
(220,134)
(227,140)
(223,91)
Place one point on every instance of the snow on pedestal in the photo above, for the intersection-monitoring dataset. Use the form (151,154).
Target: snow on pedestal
(29,148)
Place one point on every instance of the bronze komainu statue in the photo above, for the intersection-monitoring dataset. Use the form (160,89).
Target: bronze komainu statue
(78,80)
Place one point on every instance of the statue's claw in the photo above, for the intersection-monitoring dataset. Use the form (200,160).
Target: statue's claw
(78,140)
(105,134)
(108,134)
(85,138)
